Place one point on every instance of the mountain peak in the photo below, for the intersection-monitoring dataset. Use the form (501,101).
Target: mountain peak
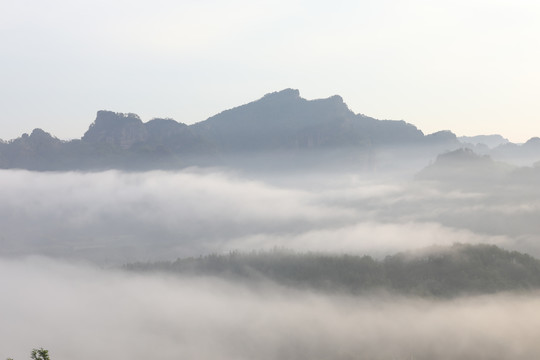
(285,93)
(336,98)
(116,129)
(534,141)
(39,133)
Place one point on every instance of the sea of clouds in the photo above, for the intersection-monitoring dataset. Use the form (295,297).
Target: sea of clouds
(63,237)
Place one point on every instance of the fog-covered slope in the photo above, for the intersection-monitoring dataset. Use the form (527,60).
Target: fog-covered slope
(434,272)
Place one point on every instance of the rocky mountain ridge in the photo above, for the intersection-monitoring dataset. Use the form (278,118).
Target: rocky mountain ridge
(278,123)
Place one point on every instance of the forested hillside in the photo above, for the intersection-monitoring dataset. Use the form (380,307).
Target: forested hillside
(434,272)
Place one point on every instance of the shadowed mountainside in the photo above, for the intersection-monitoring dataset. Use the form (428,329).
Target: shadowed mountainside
(284,120)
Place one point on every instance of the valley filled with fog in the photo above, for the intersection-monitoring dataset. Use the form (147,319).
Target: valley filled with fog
(65,236)
(114,217)
(269,180)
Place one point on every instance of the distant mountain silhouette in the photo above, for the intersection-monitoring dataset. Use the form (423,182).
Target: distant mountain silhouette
(278,123)
(284,120)
(491,141)
(519,154)
(463,168)
(128,132)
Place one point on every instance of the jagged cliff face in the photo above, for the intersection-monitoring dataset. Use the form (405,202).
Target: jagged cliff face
(116,129)
(128,132)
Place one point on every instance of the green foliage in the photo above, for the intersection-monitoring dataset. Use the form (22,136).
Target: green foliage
(40,354)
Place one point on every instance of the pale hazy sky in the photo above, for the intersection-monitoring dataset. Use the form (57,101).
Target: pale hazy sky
(471,66)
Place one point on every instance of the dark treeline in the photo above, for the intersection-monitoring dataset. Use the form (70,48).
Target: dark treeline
(435,272)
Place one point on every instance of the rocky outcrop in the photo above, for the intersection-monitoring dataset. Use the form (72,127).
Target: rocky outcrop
(116,129)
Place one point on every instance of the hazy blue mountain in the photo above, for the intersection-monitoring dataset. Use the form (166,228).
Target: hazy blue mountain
(159,136)
(501,149)
(491,141)
(113,140)
(277,129)
(34,151)
(466,169)
(521,154)
(284,120)
(463,164)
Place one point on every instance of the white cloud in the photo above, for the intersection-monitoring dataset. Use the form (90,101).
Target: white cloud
(378,239)
(117,217)
(85,313)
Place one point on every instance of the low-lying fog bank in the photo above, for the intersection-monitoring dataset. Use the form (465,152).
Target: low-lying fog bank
(114,217)
(111,218)
(80,312)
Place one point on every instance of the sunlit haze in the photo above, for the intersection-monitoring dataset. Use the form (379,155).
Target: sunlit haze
(467,66)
